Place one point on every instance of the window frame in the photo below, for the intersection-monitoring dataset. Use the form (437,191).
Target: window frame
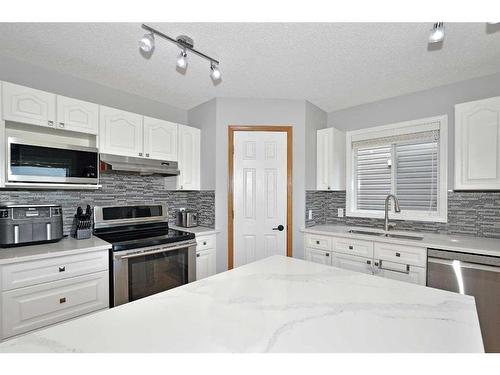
(407,127)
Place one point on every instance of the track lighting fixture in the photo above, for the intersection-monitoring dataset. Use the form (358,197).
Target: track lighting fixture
(182,60)
(147,42)
(185,43)
(215,74)
(437,33)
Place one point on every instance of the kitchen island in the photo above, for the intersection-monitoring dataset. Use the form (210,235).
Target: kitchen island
(277,304)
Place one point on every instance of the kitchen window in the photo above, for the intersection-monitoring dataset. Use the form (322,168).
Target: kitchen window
(407,159)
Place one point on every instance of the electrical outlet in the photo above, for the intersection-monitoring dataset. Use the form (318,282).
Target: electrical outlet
(310,215)
(340,212)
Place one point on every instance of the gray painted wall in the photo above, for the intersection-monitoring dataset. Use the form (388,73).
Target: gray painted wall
(437,101)
(27,74)
(259,112)
(204,118)
(316,119)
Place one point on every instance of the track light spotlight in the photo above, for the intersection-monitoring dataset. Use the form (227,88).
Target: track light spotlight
(437,33)
(215,74)
(182,60)
(147,42)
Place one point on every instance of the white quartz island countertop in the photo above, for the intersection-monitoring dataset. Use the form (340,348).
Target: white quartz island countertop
(277,304)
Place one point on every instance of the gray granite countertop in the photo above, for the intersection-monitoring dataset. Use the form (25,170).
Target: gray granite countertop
(451,242)
(66,246)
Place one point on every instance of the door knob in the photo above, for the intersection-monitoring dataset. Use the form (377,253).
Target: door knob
(279,227)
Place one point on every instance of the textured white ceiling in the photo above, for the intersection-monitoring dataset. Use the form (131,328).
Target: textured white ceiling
(333,65)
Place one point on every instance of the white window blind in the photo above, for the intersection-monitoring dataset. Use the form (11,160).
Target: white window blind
(406,165)
(373,174)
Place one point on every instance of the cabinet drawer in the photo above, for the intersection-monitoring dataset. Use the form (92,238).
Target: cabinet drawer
(401,272)
(319,256)
(37,306)
(415,256)
(352,263)
(353,247)
(318,242)
(35,272)
(205,242)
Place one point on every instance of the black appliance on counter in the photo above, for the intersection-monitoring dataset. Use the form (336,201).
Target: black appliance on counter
(30,224)
(147,257)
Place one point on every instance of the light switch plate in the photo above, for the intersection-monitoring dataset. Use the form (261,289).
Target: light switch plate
(340,212)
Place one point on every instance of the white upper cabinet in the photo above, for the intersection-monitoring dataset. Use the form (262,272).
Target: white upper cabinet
(189,158)
(120,132)
(77,115)
(160,139)
(27,105)
(330,161)
(477,145)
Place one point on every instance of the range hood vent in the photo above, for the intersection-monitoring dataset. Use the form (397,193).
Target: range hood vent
(138,165)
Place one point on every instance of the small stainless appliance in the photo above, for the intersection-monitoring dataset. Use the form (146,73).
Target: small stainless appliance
(35,161)
(187,218)
(474,275)
(30,224)
(147,257)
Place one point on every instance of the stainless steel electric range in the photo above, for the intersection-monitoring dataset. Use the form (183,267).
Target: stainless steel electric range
(147,257)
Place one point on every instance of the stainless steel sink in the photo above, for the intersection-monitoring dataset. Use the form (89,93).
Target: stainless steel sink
(404,236)
(365,232)
(389,235)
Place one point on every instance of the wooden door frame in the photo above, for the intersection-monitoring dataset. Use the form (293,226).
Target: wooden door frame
(230,193)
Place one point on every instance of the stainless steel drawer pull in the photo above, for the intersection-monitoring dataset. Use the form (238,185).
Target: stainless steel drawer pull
(407,271)
(62,300)
(62,268)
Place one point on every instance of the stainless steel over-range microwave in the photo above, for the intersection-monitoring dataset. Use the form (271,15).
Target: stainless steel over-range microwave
(35,161)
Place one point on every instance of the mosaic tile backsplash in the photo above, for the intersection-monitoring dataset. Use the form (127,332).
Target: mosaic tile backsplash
(469,213)
(121,189)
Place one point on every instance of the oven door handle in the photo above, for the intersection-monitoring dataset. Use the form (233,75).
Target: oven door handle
(154,251)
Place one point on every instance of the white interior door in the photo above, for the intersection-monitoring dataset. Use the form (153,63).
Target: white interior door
(260,195)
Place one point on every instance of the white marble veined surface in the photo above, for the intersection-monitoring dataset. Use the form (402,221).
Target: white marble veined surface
(277,304)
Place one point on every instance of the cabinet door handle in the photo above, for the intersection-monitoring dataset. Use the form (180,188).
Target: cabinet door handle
(147,155)
(61,124)
(62,300)
(327,254)
(62,268)
(350,247)
(398,254)
(328,187)
(197,255)
(140,153)
(368,262)
(317,242)
(204,243)
(51,123)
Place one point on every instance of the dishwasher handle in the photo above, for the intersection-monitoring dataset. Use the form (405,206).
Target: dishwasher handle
(462,264)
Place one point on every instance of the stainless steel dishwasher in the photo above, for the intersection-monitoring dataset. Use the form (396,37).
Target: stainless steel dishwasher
(474,275)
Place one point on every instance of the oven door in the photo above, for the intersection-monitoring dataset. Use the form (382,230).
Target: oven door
(34,161)
(141,273)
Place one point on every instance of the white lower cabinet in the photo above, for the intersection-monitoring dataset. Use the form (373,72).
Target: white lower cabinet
(319,256)
(205,256)
(38,293)
(352,262)
(401,272)
(398,262)
(26,309)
